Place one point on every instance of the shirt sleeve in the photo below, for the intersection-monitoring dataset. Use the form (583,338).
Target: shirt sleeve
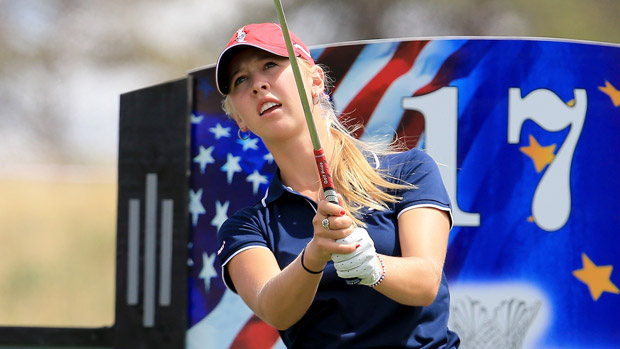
(418,168)
(238,233)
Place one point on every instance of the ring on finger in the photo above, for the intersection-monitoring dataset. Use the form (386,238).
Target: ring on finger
(325,223)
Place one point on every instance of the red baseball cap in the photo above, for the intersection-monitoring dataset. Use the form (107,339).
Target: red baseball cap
(265,36)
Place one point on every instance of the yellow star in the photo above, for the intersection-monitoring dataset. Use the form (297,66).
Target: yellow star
(542,156)
(612,92)
(596,277)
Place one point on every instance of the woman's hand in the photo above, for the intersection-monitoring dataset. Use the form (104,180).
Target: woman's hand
(330,224)
(363,266)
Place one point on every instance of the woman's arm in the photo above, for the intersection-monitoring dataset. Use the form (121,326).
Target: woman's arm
(279,297)
(282,297)
(414,278)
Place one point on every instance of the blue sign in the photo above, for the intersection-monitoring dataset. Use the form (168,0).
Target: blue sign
(526,136)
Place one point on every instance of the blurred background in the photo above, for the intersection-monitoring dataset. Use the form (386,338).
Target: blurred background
(65,63)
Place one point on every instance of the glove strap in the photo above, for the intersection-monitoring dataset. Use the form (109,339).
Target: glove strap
(382,272)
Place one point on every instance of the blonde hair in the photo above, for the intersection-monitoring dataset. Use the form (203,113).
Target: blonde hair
(360,184)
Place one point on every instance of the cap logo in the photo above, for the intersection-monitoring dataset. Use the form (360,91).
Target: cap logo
(240,35)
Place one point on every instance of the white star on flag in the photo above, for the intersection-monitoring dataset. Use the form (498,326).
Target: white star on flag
(231,166)
(195,206)
(250,143)
(220,131)
(208,270)
(268,157)
(257,179)
(196,119)
(204,157)
(221,214)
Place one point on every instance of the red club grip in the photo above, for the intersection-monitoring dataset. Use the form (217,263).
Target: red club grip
(326,177)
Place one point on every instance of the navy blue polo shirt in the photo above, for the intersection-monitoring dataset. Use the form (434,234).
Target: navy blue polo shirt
(341,315)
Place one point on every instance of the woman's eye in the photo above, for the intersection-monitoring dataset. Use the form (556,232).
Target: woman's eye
(239,80)
(269,65)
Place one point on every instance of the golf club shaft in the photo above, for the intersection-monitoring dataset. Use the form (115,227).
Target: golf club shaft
(319,154)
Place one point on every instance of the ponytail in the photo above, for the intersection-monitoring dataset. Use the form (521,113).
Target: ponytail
(360,183)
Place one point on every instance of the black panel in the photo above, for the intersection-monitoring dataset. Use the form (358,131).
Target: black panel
(154,140)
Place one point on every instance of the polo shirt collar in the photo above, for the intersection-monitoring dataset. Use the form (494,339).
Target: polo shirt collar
(275,190)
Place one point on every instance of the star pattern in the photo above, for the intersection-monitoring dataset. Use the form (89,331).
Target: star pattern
(204,158)
(220,131)
(541,156)
(221,214)
(196,119)
(250,143)
(210,204)
(612,92)
(269,158)
(257,179)
(597,278)
(231,166)
(195,205)
(208,270)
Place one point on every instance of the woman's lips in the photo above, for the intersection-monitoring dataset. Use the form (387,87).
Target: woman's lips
(268,106)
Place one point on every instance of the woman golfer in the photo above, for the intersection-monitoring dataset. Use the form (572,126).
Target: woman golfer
(367,273)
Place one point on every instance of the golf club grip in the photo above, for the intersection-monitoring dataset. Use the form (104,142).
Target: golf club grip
(326,178)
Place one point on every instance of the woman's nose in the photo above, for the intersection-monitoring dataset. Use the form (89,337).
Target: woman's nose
(260,85)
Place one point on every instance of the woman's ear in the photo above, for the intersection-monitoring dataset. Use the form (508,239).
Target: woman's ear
(239,121)
(318,81)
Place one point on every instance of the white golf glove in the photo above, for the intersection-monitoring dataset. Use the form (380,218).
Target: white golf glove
(362,265)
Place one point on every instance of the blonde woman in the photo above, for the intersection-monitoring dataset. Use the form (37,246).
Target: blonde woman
(365,273)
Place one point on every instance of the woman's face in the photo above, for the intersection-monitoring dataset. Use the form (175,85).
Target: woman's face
(264,95)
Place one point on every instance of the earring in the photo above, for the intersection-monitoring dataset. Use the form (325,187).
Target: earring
(245,137)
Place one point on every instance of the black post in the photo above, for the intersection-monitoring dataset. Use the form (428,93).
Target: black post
(152,230)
